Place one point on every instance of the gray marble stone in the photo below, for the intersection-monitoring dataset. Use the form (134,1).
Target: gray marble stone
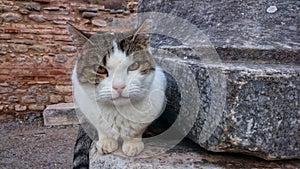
(186,155)
(248,98)
(241,30)
(256,112)
(60,114)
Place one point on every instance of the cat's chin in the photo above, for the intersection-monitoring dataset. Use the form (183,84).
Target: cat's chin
(120,101)
(120,98)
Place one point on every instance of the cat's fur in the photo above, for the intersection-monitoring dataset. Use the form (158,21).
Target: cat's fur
(81,150)
(118,87)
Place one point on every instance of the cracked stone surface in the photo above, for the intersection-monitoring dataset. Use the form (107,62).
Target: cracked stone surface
(257,77)
(243,30)
(187,155)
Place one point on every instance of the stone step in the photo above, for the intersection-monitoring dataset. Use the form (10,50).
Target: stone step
(238,107)
(60,114)
(187,155)
(237,74)
(240,31)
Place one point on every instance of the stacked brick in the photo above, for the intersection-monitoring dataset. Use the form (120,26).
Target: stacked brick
(36,52)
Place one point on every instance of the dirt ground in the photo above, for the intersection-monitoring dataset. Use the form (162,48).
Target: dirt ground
(25,144)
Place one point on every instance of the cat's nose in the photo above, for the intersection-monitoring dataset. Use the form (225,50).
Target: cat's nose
(119,88)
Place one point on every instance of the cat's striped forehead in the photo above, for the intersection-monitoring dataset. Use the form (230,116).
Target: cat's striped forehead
(108,49)
(96,51)
(124,50)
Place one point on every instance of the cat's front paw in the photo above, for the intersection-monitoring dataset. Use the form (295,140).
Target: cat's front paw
(132,147)
(106,145)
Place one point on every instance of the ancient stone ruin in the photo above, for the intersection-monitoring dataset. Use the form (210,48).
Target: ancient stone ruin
(238,83)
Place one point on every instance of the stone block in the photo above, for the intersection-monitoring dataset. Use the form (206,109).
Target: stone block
(116,11)
(5,84)
(19,48)
(42,98)
(89,14)
(13,99)
(11,17)
(112,4)
(52,8)
(256,112)
(36,107)
(248,99)
(55,98)
(185,155)
(8,8)
(236,31)
(32,6)
(28,99)
(99,22)
(60,114)
(63,38)
(32,89)
(5,90)
(3,47)
(37,17)
(20,107)
(64,89)
(61,58)
(69,99)
(24,11)
(68,48)
(39,48)
(87,9)
(5,36)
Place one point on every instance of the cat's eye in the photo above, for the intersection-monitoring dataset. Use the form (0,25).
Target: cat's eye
(101,70)
(134,66)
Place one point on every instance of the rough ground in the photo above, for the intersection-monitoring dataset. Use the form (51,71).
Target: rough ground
(31,145)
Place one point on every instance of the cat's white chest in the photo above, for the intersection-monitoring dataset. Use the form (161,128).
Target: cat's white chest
(120,121)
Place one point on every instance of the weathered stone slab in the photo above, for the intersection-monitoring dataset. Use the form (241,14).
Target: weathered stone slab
(60,114)
(248,99)
(185,155)
(260,112)
(243,30)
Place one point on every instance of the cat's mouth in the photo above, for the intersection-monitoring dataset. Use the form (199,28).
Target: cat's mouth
(120,98)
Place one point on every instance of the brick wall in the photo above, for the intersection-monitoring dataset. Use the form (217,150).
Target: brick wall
(36,52)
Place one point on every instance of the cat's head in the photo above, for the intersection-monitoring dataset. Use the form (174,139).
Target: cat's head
(119,65)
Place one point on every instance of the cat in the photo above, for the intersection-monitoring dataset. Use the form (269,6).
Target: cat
(118,87)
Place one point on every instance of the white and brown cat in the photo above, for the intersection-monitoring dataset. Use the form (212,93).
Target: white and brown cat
(117,86)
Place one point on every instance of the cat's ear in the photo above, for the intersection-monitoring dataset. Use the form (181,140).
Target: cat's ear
(78,37)
(145,28)
(143,33)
